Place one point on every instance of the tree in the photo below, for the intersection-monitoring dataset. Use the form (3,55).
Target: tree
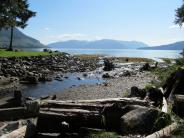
(14,13)
(180,15)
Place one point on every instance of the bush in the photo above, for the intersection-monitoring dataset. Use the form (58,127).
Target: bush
(180,61)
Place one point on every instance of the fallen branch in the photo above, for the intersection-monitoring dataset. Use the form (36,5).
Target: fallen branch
(165,132)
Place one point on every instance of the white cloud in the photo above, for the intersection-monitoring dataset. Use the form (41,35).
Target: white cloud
(72,36)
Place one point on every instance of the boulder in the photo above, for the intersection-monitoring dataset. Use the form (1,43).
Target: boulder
(136,92)
(108,66)
(156,96)
(142,121)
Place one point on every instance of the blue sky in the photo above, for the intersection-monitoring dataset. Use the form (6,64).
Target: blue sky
(149,21)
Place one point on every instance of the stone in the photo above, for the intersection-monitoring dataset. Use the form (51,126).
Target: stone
(145,67)
(156,96)
(139,121)
(108,66)
(106,75)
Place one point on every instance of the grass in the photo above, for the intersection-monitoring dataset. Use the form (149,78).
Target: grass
(104,135)
(164,73)
(4,53)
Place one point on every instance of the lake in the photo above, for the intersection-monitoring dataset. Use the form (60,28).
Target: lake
(153,54)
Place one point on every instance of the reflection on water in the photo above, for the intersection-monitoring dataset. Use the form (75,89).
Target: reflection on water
(52,87)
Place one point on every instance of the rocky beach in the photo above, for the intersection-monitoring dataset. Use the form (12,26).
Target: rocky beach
(118,90)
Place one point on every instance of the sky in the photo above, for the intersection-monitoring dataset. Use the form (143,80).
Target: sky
(148,21)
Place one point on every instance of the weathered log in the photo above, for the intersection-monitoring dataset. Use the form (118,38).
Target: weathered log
(165,132)
(85,106)
(122,101)
(48,135)
(69,111)
(10,114)
(27,131)
(50,122)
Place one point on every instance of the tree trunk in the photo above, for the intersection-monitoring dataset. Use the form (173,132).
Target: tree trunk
(11,40)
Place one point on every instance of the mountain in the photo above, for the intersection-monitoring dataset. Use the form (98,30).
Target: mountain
(173,46)
(98,44)
(20,40)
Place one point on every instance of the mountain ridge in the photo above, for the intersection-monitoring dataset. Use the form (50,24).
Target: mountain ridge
(20,40)
(98,44)
(173,46)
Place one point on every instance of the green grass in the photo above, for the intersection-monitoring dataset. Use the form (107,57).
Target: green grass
(4,53)
(164,73)
(104,135)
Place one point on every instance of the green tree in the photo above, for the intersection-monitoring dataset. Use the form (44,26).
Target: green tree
(14,13)
(180,15)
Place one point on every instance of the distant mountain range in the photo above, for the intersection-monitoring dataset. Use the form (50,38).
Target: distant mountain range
(173,46)
(98,44)
(20,40)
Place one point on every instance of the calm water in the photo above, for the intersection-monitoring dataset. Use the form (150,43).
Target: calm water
(53,87)
(153,54)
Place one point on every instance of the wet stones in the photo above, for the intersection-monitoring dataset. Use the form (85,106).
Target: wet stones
(40,68)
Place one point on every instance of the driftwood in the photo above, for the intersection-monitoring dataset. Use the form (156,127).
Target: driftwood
(50,121)
(61,105)
(27,131)
(165,132)
(10,114)
(94,103)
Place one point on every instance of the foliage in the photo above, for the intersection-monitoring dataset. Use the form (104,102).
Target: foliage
(180,15)
(14,13)
(162,121)
(180,61)
(167,60)
(164,73)
(104,135)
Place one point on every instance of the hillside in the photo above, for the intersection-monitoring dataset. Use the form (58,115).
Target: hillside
(98,44)
(20,40)
(173,46)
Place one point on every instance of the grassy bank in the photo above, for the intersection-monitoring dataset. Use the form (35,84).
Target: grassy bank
(4,53)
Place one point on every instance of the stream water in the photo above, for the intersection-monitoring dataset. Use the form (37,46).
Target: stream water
(55,86)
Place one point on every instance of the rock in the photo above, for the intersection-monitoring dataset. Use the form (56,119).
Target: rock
(126,73)
(106,76)
(108,66)
(140,121)
(136,92)
(17,94)
(111,117)
(155,95)
(145,67)
(178,107)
